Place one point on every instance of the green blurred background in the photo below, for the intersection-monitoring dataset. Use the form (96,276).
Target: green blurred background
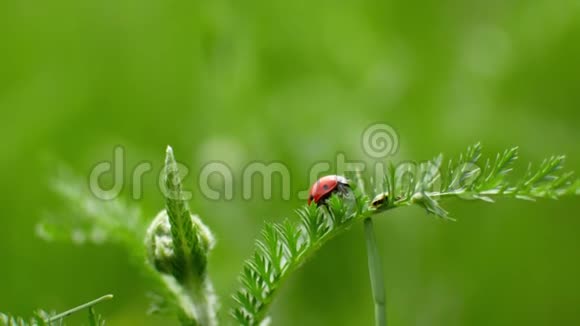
(296,82)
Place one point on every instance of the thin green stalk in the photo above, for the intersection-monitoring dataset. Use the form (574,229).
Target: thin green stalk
(81,307)
(376,274)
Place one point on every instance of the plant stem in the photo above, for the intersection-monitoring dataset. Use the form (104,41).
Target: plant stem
(81,307)
(376,274)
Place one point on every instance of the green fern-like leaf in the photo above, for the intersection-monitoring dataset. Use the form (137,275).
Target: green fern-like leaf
(91,220)
(286,246)
(43,318)
(182,229)
(40,318)
(471,179)
(95,319)
(178,244)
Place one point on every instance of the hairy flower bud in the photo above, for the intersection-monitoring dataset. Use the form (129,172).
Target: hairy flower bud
(161,250)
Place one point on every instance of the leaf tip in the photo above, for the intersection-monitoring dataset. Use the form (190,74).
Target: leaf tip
(169,157)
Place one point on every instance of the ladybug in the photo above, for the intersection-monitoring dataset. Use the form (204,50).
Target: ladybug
(324,187)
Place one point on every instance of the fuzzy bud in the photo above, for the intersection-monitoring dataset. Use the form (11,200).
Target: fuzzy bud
(161,250)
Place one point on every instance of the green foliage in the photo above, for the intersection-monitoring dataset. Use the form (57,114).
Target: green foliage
(427,183)
(89,219)
(40,318)
(95,319)
(43,318)
(177,243)
(285,246)
(184,289)
(191,240)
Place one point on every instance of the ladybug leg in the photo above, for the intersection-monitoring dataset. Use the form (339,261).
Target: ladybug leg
(322,201)
(344,190)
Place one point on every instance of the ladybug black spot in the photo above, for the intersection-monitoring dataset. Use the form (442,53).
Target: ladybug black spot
(325,187)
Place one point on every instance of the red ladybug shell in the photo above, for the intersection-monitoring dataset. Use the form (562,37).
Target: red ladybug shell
(324,186)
